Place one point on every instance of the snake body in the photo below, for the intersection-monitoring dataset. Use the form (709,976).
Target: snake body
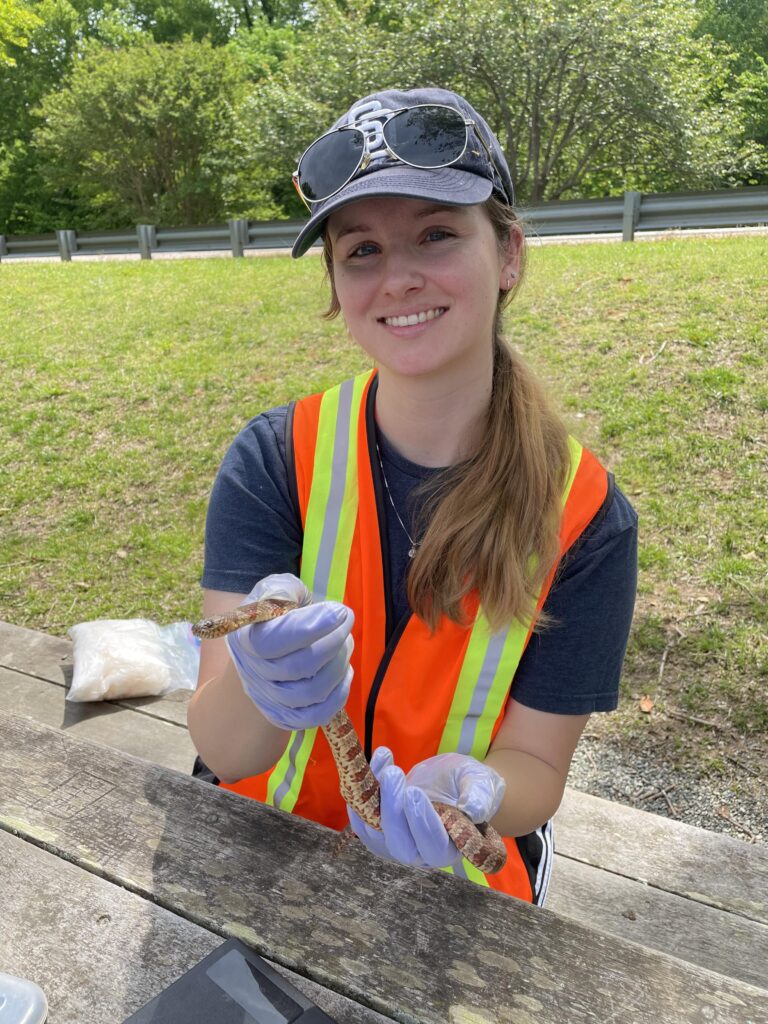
(480,844)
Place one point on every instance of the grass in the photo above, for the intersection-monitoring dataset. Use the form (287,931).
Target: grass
(124,382)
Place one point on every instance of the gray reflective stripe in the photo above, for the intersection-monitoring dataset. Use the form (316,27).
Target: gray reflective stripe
(332,518)
(285,785)
(480,692)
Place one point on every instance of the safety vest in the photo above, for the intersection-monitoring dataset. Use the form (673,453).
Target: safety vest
(419,693)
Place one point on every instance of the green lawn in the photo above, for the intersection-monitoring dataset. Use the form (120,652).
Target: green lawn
(123,383)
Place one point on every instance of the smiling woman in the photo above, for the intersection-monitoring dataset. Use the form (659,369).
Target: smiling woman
(418,285)
(464,570)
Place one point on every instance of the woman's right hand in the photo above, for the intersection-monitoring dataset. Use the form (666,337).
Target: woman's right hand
(295,668)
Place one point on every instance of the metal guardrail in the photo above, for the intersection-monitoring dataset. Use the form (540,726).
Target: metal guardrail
(628,214)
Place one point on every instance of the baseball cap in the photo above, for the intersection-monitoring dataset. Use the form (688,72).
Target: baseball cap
(469,180)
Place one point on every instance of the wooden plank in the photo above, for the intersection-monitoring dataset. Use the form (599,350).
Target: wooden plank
(154,739)
(714,939)
(704,866)
(416,946)
(667,855)
(702,935)
(100,952)
(50,657)
(31,651)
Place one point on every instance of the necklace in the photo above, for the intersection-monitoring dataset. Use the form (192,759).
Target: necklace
(414,544)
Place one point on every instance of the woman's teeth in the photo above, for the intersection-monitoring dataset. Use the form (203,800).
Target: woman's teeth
(414,318)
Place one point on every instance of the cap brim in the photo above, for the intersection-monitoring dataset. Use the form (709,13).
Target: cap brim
(443,185)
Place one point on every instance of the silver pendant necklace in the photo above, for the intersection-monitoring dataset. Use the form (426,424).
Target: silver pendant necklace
(414,544)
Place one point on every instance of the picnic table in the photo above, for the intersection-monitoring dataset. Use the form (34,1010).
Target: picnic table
(119,871)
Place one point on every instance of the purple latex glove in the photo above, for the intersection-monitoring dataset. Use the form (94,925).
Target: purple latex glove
(411,830)
(295,668)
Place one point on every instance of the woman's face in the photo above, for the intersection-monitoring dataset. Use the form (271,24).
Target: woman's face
(418,283)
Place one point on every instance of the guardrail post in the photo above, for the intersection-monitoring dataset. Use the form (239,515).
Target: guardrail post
(238,234)
(631,215)
(67,244)
(147,240)
(3,247)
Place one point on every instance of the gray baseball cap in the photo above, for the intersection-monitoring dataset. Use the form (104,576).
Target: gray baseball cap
(472,179)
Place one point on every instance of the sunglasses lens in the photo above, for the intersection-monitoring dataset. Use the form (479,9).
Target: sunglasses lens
(427,136)
(329,163)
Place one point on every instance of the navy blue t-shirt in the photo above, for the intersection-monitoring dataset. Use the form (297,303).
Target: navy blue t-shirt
(572,667)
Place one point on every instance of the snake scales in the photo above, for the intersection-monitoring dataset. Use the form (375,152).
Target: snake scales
(480,844)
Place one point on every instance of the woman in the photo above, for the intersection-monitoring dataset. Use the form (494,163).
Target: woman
(436,510)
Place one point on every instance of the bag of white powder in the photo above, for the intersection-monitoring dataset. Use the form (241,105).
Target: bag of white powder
(120,658)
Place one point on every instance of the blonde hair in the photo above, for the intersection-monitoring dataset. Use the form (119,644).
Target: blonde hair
(492,523)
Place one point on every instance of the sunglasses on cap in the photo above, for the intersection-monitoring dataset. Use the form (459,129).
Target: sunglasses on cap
(427,136)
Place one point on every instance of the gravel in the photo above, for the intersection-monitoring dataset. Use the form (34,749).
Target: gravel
(734,802)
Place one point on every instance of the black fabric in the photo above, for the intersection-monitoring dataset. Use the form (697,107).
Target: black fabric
(200,770)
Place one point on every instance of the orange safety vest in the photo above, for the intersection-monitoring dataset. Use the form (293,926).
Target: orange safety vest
(420,694)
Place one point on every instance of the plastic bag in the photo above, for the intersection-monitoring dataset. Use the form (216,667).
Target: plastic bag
(119,658)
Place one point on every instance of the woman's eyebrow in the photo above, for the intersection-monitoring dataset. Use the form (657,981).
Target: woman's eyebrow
(352,229)
(427,211)
(439,208)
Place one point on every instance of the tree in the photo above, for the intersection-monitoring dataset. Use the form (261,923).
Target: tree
(62,31)
(259,32)
(147,133)
(343,56)
(170,21)
(263,47)
(38,68)
(587,96)
(742,26)
(16,22)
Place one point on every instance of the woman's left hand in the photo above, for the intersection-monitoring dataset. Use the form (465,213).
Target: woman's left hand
(411,829)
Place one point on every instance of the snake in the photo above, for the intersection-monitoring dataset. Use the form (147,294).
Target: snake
(480,843)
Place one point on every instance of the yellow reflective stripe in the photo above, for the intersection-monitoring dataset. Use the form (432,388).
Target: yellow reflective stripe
(489,665)
(511,654)
(328,531)
(575,449)
(321,485)
(465,688)
(468,871)
(287,775)
(469,727)
(337,580)
(333,498)
(475,874)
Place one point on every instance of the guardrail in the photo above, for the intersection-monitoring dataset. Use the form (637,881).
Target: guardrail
(626,215)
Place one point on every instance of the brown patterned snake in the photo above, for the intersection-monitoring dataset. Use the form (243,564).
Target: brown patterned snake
(480,844)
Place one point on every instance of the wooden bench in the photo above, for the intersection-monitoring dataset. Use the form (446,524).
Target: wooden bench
(99,950)
(699,897)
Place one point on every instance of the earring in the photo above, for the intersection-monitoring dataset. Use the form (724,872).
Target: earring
(512,277)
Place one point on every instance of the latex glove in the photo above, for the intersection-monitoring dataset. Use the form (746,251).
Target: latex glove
(411,830)
(295,668)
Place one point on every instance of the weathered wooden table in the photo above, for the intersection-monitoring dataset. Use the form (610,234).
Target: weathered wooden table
(117,874)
